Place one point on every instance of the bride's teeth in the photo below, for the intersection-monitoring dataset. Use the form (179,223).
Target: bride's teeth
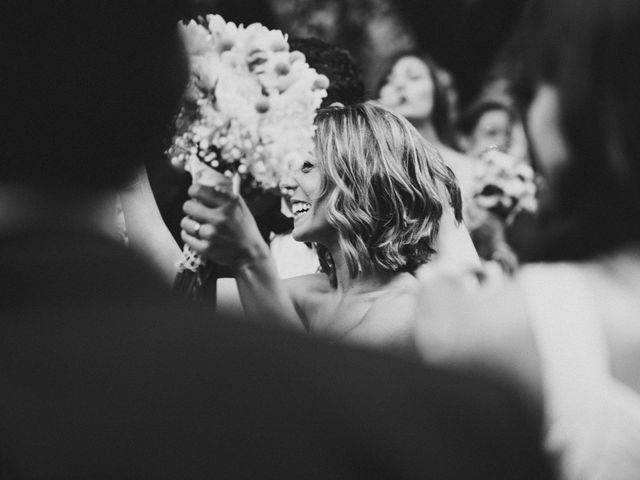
(300,208)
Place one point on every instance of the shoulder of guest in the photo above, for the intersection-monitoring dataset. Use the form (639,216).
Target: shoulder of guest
(454,155)
(491,330)
(455,159)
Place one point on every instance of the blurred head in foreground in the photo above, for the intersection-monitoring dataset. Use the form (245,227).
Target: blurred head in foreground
(583,123)
(89,88)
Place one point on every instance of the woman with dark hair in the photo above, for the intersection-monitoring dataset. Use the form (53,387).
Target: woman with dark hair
(486,124)
(567,327)
(404,88)
(415,87)
(372,198)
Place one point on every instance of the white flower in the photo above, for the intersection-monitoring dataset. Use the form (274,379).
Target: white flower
(202,131)
(193,92)
(296,56)
(195,37)
(217,25)
(260,37)
(504,183)
(256,101)
(206,69)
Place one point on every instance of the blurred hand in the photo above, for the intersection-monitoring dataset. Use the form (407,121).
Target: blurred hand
(446,308)
(220,227)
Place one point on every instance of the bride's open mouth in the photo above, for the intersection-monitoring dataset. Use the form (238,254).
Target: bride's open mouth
(300,208)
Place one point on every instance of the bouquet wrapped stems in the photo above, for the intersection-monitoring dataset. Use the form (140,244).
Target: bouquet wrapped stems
(199,285)
(197,277)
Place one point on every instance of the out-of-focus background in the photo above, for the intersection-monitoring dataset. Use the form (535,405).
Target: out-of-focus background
(466,37)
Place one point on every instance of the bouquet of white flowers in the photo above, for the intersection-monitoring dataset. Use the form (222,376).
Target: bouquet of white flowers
(248,110)
(504,185)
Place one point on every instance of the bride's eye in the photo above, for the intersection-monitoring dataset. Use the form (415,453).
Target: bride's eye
(306,166)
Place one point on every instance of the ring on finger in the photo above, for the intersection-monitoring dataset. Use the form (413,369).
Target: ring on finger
(196,229)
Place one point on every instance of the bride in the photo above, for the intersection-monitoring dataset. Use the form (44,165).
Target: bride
(373,199)
(378,202)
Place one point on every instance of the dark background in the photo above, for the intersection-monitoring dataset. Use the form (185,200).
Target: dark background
(464,36)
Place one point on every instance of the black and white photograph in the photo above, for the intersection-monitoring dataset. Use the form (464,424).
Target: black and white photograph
(320,239)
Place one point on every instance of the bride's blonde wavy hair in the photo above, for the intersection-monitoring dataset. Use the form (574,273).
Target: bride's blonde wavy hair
(385,189)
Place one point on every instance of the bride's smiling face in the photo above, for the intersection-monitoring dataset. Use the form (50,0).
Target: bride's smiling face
(309,206)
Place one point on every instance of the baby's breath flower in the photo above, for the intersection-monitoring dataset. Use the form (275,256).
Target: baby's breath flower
(249,107)
(195,37)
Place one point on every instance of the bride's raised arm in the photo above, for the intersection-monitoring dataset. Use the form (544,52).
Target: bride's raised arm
(148,235)
(221,228)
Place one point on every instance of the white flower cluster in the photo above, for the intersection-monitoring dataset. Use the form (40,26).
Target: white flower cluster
(254,102)
(504,184)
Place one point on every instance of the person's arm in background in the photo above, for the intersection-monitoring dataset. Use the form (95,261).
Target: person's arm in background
(454,245)
(148,235)
(465,322)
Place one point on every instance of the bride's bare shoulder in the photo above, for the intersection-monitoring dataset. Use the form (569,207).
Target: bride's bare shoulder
(308,293)
(304,286)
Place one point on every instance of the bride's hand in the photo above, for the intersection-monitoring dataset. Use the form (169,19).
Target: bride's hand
(220,227)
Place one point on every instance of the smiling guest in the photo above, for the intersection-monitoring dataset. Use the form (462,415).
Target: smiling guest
(371,199)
